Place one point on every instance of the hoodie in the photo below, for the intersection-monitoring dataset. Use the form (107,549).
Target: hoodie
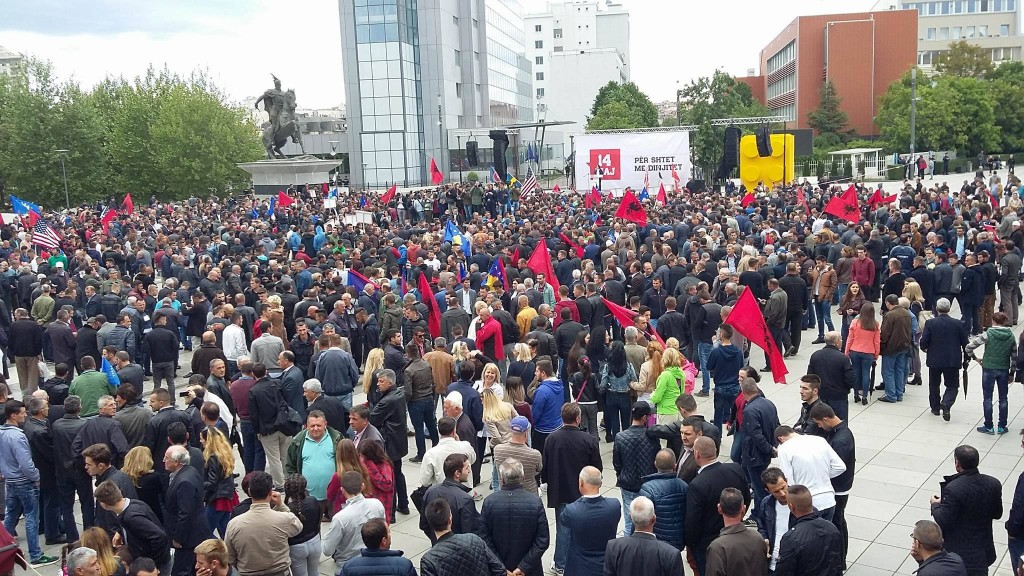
(724,365)
(670,385)
(15,456)
(547,406)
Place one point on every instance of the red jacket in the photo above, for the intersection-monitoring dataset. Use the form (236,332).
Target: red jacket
(863,271)
(488,339)
(574,312)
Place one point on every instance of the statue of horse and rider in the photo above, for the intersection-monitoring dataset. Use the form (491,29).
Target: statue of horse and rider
(280,106)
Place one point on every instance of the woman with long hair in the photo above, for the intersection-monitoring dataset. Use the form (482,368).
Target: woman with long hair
(382,475)
(374,362)
(98,539)
(578,350)
(498,416)
(863,348)
(219,492)
(305,547)
(912,291)
(522,366)
(149,484)
(649,371)
(849,307)
(671,383)
(583,388)
(515,393)
(844,272)
(617,375)
(346,459)
(275,313)
(460,351)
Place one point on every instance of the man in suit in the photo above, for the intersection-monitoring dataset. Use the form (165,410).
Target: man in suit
(87,344)
(642,554)
(143,532)
(62,339)
(703,522)
(454,316)
(943,341)
(513,523)
(592,522)
(466,295)
(156,429)
(291,382)
(567,451)
(185,514)
(333,409)
(737,550)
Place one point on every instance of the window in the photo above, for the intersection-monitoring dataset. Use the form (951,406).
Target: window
(458,90)
(998,5)
(477,88)
(955,32)
(943,33)
(458,58)
(540,75)
(540,92)
(539,60)
(556,49)
(969,33)
(455,20)
(558,32)
(931,34)
(537,28)
(945,7)
(983,31)
(1004,29)
(538,44)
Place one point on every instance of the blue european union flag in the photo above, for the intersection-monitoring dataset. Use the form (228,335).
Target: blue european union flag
(111,374)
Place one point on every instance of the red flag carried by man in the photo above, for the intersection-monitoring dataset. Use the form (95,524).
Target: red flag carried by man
(128,206)
(576,247)
(435,175)
(433,312)
(107,217)
(877,198)
(540,263)
(625,317)
(675,178)
(845,205)
(801,199)
(593,197)
(662,196)
(746,317)
(284,200)
(389,195)
(515,257)
(747,200)
(631,209)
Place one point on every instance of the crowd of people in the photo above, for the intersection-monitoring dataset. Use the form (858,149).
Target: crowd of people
(463,340)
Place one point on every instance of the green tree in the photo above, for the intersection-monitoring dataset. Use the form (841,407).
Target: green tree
(629,108)
(965,60)
(1007,87)
(953,113)
(708,98)
(828,120)
(38,116)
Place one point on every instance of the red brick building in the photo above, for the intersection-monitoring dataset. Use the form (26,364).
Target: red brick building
(860,53)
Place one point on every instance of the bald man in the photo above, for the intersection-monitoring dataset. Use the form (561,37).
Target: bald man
(703,522)
(813,545)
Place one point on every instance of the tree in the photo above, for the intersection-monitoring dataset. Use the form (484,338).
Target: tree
(828,121)
(953,113)
(708,98)
(1007,87)
(965,60)
(630,108)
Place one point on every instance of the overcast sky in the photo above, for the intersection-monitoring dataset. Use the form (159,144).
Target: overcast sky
(241,42)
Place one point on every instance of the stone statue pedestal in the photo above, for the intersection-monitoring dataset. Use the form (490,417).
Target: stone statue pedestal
(272,176)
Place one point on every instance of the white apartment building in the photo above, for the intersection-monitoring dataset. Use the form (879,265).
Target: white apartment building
(576,47)
(8,60)
(992,24)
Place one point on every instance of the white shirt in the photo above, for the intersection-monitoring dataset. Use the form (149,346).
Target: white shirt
(344,539)
(781,527)
(234,342)
(432,468)
(809,460)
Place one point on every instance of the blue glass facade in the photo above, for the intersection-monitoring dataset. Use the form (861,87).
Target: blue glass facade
(508,71)
(387,44)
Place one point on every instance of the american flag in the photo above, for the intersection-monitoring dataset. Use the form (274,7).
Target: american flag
(44,235)
(531,184)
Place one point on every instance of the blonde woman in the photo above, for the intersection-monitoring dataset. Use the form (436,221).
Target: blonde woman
(498,416)
(670,385)
(522,365)
(460,351)
(490,379)
(276,316)
(374,362)
(912,292)
(219,492)
(138,465)
(649,372)
(97,539)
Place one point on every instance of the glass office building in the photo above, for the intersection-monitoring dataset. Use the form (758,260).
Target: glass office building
(413,71)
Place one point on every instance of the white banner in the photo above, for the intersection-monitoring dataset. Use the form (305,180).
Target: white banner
(620,160)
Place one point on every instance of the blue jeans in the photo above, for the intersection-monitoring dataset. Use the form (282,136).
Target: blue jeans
(421,412)
(617,411)
(627,499)
(840,292)
(990,378)
(862,371)
(894,375)
(724,402)
(824,310)
(809,317)
(346,400)
(218,521)
(736,452)
(253,457)
(1015,548)
(21,499)
(563,538)
(703,352)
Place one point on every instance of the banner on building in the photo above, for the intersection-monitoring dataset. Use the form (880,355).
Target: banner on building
(621,160)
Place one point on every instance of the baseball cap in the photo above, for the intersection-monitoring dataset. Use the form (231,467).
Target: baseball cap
(641,409)
(520,424)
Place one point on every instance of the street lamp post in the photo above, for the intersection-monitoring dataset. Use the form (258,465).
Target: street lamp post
(679,115)
(61,154)
(913,111)
(365,186)
(458,138)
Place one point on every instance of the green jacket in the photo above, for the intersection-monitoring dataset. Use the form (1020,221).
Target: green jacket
(89,386)
(1000,347)
(293,462)
(670,385)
